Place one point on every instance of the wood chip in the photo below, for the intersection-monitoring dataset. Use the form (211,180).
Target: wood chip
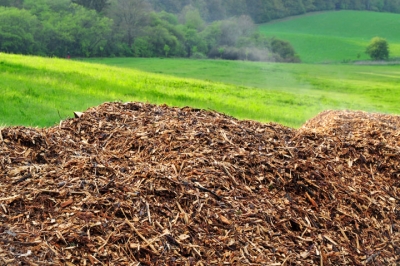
(66,203)
(141,184)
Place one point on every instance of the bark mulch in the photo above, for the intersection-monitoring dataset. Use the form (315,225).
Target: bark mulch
(140,184)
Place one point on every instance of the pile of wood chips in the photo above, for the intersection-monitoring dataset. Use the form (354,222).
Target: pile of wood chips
(140,184)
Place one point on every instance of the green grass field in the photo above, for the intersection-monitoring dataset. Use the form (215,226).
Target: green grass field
(39,91)
(336,36)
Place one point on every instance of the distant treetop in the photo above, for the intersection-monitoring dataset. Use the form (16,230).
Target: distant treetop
(97,5)
(378,49)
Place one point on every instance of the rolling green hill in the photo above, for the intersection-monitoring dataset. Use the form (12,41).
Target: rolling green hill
(337,35)
(36,91)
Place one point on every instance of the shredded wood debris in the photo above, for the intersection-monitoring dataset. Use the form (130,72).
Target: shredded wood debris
(140,184)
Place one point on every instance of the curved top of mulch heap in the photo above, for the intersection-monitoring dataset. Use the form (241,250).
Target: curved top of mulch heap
(139,184)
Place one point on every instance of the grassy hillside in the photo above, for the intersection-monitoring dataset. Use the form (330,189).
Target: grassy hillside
(315,87)
(40,91)
(337,35)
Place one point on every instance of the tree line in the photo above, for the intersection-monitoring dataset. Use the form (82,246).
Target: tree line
(265,10)
(86,28)
(148,28)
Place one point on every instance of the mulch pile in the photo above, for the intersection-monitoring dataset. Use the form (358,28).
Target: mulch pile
(140,184)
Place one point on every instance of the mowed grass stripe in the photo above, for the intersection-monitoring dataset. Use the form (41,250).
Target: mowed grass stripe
(336,35)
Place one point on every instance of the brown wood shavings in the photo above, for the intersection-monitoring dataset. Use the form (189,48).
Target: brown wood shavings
(139,184)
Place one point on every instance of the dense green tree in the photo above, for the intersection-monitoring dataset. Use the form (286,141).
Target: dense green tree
(192,39)
(5,2)
(276,9)
(375,5)
(392,6)
(192,18)
(294,7)
(233,29)
(18,30)
(170,6)
(309,5)
(211,35)
(12,3)
(257,10)
(235,8)
(98,5)
(163,31)
(67,27)
(284,50)
(215,10)
(168,17)
(378,49)
(130,17)
(161,37)
(89,30)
